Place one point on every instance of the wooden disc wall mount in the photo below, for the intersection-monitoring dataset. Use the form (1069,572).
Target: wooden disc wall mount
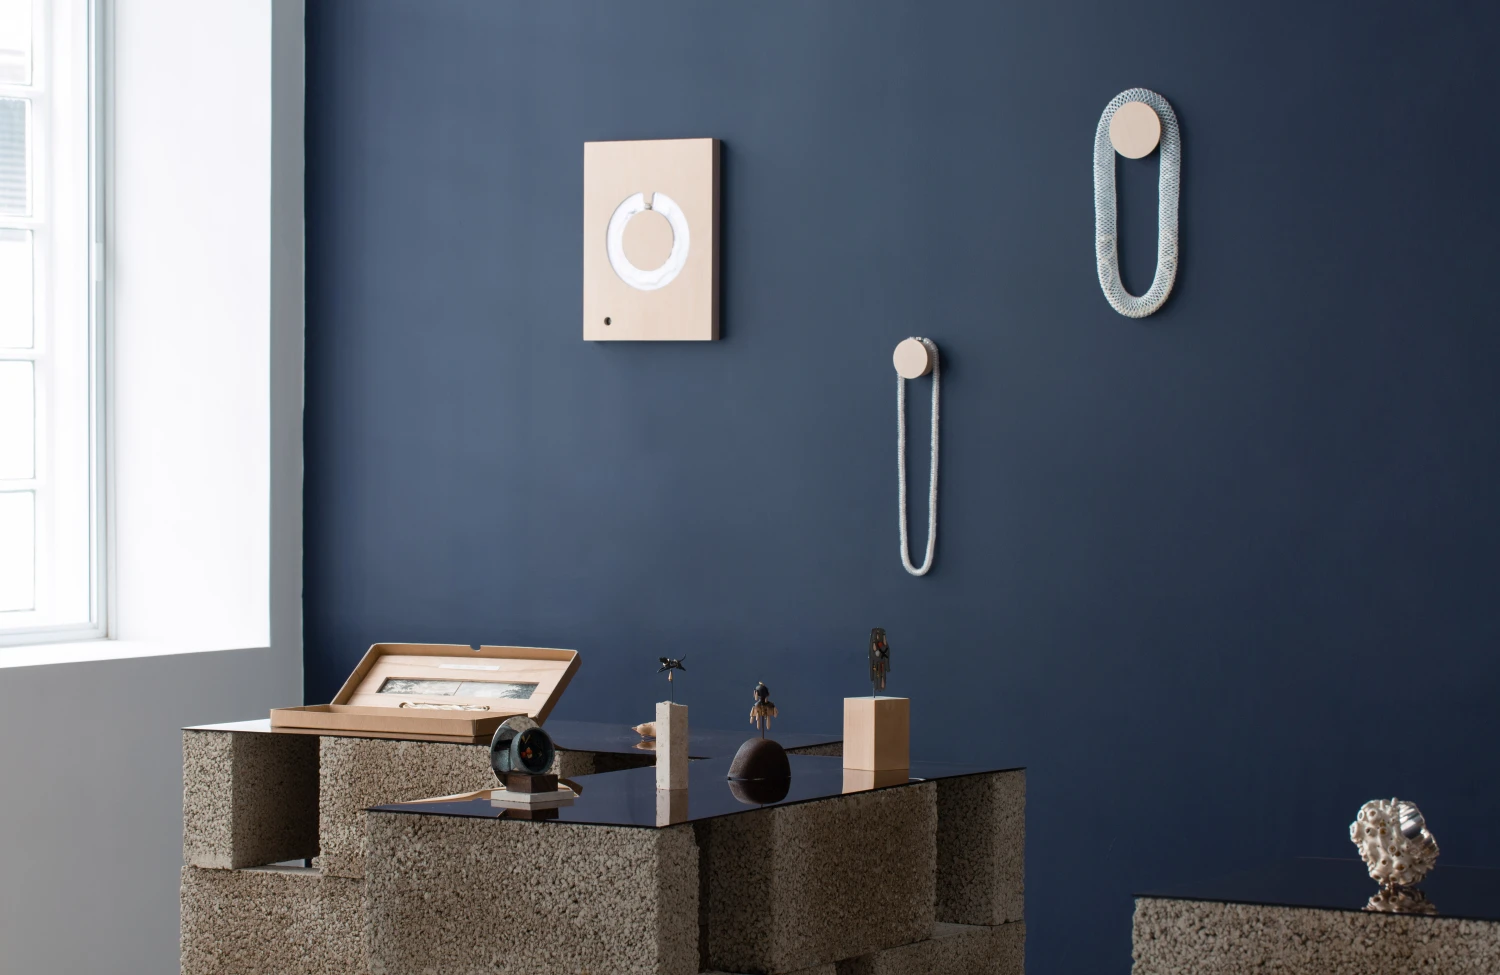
(912,359)
(1135,131)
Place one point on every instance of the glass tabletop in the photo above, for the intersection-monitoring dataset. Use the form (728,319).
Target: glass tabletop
(1469,893)
(630,797)
(597,736)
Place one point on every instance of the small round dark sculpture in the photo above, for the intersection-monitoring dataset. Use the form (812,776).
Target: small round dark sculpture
(520,745)
(760,760)
(760,772)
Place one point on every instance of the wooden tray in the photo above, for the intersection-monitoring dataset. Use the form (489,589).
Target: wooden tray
(437,692)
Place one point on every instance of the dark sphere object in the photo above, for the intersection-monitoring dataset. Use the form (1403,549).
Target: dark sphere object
(527,750)
(760,760)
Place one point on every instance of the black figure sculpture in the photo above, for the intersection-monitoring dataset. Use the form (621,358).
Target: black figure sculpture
(880,660)
(763,710)
(760,772)
(669,664)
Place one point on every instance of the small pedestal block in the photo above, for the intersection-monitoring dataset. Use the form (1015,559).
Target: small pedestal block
(671,745)
(877,733)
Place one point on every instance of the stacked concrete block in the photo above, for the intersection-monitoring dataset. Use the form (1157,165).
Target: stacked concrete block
(1184,937)
(248,800)
(357,773)
(953,949)
(457,895)
(793,887)
(859,884)
(981,848)
(270,921)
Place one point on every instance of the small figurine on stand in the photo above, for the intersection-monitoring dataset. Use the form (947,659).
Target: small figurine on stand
(763,710)
(880,660)
(671,732)
(760,772)
(669,664)
(877,729)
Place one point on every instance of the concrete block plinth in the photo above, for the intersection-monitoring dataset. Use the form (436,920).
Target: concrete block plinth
(248,800)
(794,887)
(981,848)
(451,895)
(1190,937)
(358,773)
(270,921)
(953,949)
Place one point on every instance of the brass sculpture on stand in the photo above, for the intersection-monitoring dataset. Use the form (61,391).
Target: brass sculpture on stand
(880,660)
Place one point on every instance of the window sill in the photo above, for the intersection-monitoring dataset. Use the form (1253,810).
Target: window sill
(43,654)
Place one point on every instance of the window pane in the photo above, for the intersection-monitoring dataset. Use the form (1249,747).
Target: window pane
(17,421)
(15,288)
(15,42)
(14,182)
(17,551)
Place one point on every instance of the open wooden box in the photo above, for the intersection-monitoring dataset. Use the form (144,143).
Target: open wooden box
(437,692)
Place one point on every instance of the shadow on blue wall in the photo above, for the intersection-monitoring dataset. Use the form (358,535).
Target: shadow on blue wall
(1217,577)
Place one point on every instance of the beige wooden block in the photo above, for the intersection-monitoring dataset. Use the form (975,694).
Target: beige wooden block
(877,733)
(671,745)
(651,240)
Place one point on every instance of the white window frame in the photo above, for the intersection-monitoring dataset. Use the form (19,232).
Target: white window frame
(98,626)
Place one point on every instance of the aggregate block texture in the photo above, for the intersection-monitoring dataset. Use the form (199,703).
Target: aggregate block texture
(1178,937)
(270,921)
(248,799)
(453,896)
(834,749)
(981,848)
(794,887)
(953,949)
(358,773)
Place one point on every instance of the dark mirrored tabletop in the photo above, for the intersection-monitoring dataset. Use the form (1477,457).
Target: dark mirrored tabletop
(599,736)
(1468,893)
(630,797)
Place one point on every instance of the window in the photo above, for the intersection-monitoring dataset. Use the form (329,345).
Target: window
(51,560)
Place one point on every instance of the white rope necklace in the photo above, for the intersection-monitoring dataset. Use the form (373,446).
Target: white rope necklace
(932,487)
(1106,233)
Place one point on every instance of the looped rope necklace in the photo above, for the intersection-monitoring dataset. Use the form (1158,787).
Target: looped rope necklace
(1106,231)
(932,483)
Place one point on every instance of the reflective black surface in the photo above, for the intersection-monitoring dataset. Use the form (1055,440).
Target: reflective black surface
(1471,893)
(598,736)
(630,797)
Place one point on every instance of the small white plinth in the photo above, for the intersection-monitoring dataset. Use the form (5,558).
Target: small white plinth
(671,745)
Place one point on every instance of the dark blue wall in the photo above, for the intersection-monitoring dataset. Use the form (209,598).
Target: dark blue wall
(1217,577)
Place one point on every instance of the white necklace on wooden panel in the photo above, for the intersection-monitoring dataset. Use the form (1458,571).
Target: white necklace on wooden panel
(916,357)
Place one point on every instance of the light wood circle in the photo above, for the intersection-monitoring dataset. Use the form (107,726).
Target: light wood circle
(912,359)
(1135,130)
(648,240)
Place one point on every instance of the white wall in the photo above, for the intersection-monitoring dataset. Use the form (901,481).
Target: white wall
(204,250)
(91,815)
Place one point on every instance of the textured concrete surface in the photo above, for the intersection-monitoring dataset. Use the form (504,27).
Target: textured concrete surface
(1178,937)
(795,887)
(835,749)
(953,949)
(358,773)
(981,848)
(270,921)
(248,800)
(456,896)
